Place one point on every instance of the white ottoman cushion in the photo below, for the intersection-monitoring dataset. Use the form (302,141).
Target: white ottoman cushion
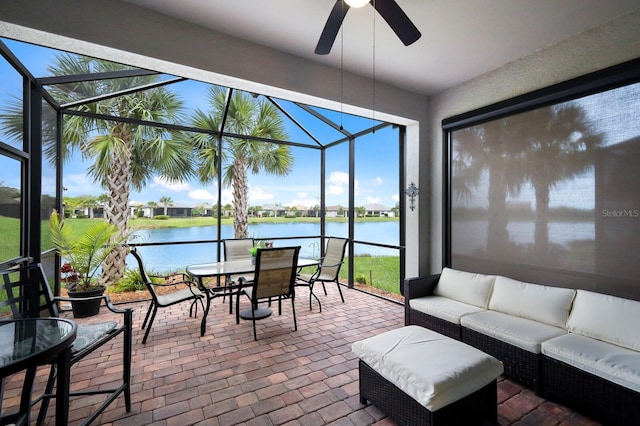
(433,369)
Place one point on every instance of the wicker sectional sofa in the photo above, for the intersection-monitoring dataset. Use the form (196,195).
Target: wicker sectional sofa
(576,346)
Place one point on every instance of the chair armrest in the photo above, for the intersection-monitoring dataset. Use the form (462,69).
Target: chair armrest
(106,298)
(184,276)
(187,282)
(420,286)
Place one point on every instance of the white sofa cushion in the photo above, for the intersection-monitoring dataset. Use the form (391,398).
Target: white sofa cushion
(521,332)
(433,369)
(550,305)
(611,362)
(607,318)
(473,289)
(443,308)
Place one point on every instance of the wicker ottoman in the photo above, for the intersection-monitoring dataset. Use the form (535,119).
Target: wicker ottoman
(419,377)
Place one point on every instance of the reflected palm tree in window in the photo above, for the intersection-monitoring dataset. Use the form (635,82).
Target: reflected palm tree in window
(542,147)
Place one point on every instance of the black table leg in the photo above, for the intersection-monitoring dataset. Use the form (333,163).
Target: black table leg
(62,388)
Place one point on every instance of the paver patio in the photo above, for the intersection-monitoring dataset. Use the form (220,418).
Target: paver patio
(304,377)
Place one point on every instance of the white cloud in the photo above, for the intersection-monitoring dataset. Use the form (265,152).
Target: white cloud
(303,200)
(163,183)
(339,178)
(395,198)
(373,200)
(258,194)
(227,197)
(202,194)
(80,184)
(377,181)
(338,183)
(335,190)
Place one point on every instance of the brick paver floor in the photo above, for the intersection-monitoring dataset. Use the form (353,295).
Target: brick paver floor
(287,377)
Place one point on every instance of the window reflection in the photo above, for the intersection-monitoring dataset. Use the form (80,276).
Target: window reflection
(555,187)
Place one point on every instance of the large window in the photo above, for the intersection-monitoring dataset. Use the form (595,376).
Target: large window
(544,187)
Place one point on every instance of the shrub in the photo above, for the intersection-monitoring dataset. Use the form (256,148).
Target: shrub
(361,279)
(131,281)
(162,217)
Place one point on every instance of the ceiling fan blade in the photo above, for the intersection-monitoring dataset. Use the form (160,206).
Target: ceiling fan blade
(331,28)
(397,20)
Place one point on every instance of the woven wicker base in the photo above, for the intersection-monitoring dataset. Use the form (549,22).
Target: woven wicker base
(479,408)
(606,401)
(436,324)
(519,364)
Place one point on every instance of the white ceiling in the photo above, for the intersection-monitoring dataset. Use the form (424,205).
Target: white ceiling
(461,39)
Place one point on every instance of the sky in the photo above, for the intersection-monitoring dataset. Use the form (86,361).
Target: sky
(376,181)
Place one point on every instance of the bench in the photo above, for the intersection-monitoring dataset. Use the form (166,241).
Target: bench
(418,376)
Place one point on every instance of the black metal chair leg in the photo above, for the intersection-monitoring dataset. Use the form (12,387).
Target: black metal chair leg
(146,333)
(146,317)
(293,308)
(128,351)
(44,406)
(340,291)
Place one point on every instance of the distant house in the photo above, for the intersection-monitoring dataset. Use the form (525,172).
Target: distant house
(378,210)
(176,210)
(337,211)
(271,210)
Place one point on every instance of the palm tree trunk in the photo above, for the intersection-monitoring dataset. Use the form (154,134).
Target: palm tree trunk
(117,213)
(241,209)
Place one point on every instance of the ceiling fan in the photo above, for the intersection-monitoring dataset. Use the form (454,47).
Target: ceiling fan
(388,9)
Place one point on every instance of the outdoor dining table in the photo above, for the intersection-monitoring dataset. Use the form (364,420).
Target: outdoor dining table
(27,343)
(219,270)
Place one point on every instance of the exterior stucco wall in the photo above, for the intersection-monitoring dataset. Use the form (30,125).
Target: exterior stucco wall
(610,44)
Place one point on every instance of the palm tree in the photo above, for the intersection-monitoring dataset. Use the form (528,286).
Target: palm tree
(125,155)
(166,202)
(152,205)
(246,116)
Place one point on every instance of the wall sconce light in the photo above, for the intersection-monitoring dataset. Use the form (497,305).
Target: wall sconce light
(412,192)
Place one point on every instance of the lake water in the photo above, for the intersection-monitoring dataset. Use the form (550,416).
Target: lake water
(177,256)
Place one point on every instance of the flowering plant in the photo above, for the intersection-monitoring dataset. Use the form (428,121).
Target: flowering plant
(69,275)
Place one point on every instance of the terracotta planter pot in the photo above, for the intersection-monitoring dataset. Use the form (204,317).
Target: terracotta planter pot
(88,308)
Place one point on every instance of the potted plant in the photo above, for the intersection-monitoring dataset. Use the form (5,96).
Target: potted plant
(83,254)
(260,244)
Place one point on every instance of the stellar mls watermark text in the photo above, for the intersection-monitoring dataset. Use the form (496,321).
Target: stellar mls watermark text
(621,213)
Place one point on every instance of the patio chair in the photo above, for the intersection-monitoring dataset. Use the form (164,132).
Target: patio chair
(25,293)
(328,270)
(184,290)
(236,249)
(274,276)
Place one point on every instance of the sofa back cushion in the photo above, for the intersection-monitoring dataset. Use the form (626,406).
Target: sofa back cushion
(549,305)
(608,318)
(465,287)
